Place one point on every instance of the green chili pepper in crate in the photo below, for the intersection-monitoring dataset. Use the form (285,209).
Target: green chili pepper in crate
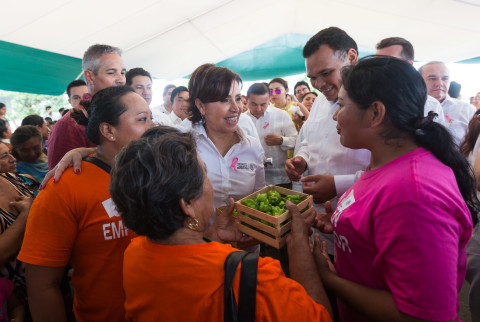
(296,199)
(250,203)
(265,207)
(277,211)
(262,197)
(274,197)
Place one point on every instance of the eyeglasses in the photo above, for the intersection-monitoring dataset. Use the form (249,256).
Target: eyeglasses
(298,91)
(277,91)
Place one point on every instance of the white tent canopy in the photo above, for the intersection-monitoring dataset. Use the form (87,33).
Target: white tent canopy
(171,38)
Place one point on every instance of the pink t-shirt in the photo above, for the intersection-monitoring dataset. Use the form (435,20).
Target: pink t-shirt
(66,135)
(404,228)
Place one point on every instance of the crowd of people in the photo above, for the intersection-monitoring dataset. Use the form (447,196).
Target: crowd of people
(130,218)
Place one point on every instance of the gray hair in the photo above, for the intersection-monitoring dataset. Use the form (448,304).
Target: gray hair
(435,62)
(92,56)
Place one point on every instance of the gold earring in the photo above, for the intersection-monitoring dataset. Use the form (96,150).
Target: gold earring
(192,223)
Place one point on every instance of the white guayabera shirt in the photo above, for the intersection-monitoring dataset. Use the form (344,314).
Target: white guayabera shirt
(279,122)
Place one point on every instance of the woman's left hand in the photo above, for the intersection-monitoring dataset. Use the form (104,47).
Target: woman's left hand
(226,226)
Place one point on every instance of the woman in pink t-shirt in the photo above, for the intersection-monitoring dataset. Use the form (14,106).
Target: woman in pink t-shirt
(401,231)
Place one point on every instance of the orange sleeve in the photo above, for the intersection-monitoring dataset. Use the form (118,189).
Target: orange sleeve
(282,299)
(51,228)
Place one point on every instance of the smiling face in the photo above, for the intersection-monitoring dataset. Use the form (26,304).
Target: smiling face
(308,100)
(7,161)
(278,94)
(134,121)
(257,104)
(110,73)
(142,85)
(323,69)
(222,117)
(350,122)
(437,79)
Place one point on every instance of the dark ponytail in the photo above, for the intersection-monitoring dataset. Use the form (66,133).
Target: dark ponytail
(438,140)
(402,90)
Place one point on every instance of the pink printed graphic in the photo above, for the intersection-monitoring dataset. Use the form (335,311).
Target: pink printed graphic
(266,125)
(449,120)
(234,164)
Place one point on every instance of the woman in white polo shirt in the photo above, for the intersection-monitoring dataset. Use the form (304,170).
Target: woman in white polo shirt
(234,160)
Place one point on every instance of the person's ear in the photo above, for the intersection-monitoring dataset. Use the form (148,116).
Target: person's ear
(201,107)
(187,208)
(108,131)
(377,113)
(89,77)
(352,56)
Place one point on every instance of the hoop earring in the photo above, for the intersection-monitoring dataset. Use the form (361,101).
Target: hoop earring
(192,224)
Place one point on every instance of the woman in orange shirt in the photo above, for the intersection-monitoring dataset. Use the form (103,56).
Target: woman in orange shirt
(75,220)
(172,273)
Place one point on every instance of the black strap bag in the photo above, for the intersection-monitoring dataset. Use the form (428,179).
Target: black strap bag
(248,287)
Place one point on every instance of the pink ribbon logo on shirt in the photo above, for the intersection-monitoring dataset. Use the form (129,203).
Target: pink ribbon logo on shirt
(266,125)
(449,120)
(234,164)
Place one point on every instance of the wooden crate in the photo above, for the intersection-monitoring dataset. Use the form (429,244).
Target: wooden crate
(274,236)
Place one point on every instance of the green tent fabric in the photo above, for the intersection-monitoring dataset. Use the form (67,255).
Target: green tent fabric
(279,57)
(30,70)
(475,60)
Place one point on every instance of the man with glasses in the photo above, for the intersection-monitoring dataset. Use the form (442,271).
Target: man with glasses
(301,88)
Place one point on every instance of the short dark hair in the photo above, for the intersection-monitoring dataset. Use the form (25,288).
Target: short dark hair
(75,83)
(407,48)
(303,96)
(177,91)
(35,120)
(106,107)
(2,105)
(24,133)
(165,90)
(135,72)
(150,177)
(300,83)
(454,89)
(3,128)
(281,81)
(335,38)
(209,83)
(258,89)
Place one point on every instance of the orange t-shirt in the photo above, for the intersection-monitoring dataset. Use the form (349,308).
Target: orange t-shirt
(74,221)
(185,283)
